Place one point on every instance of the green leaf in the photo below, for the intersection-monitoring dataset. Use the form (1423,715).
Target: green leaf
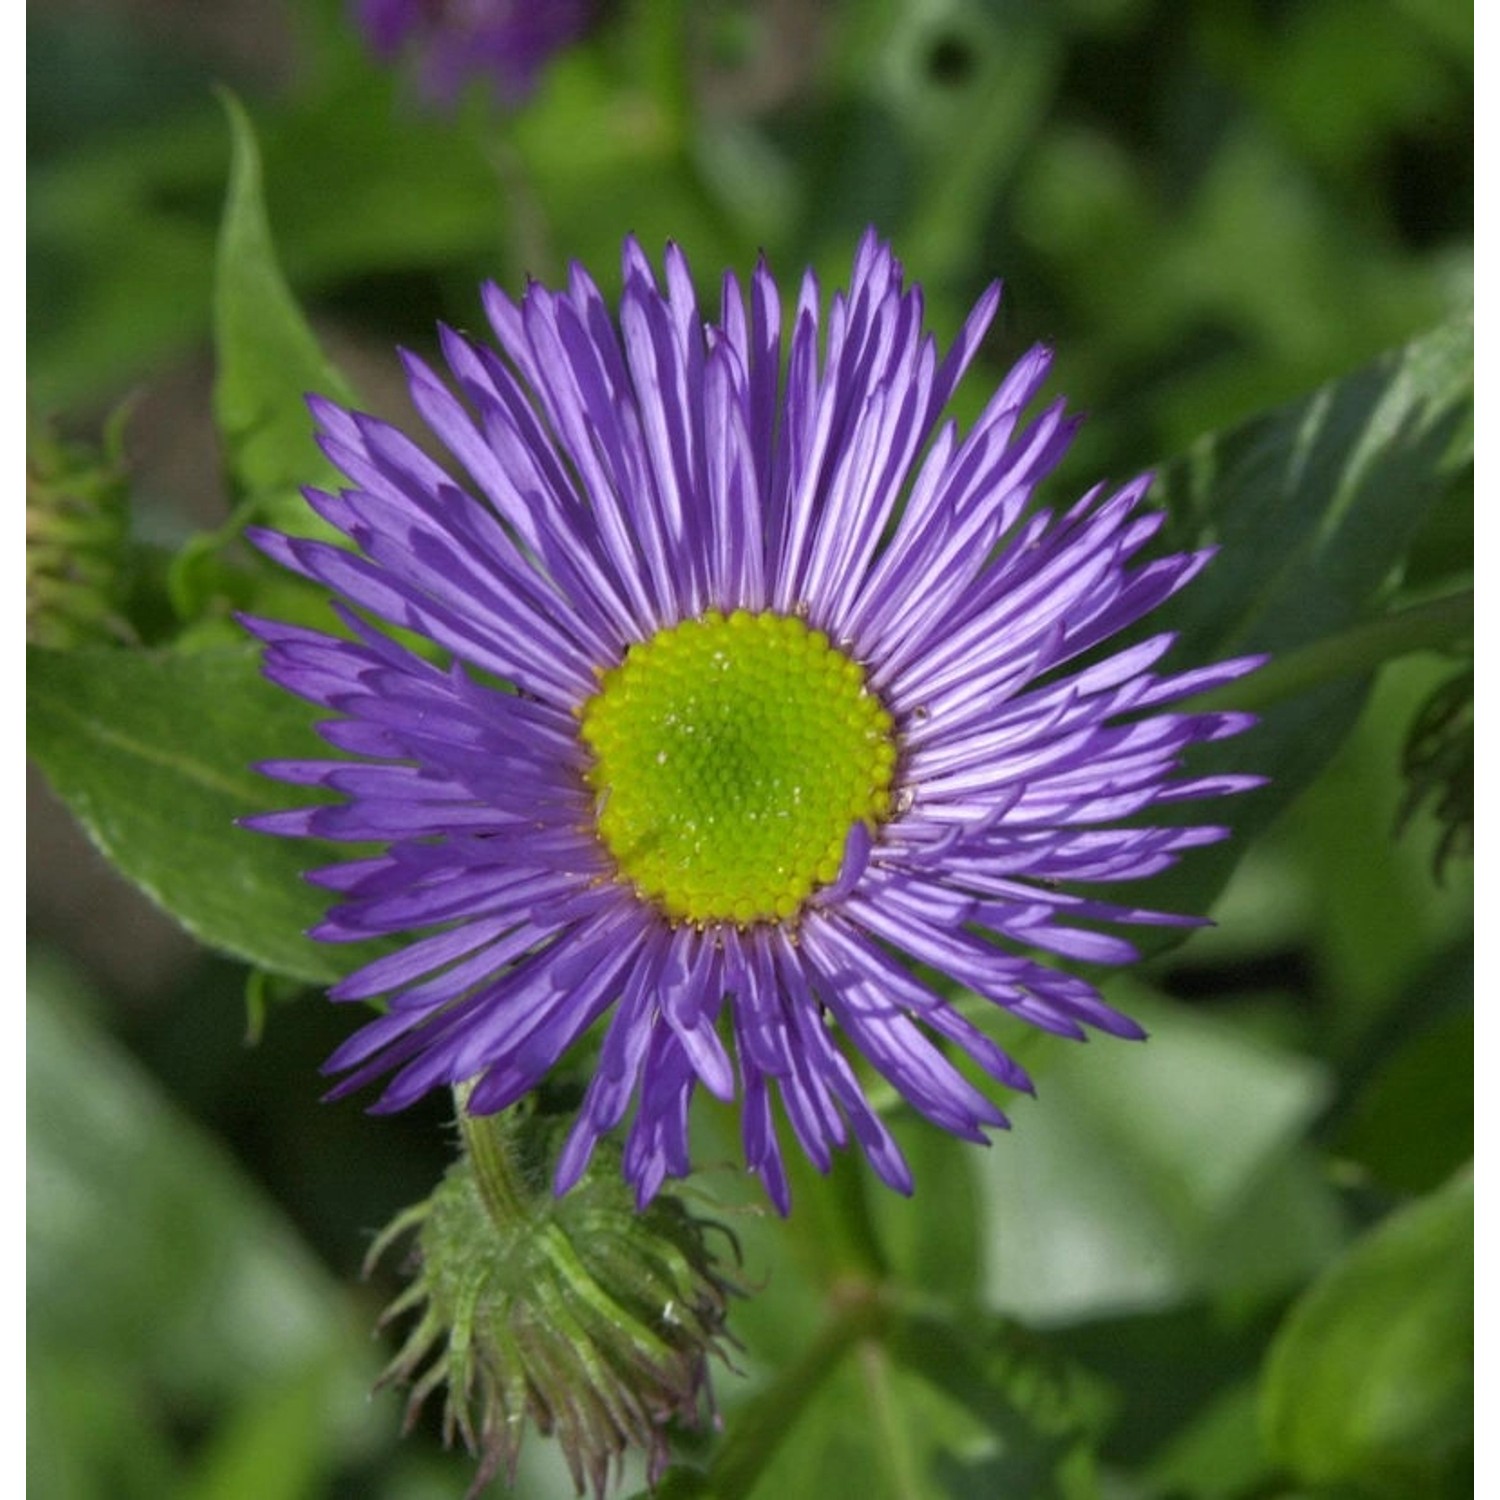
(1167,1372)
(1103,1198)
(761,1425)
(1370,910)
(121,230)
(1314,503)
(1432,1080)
(1313,506)
(1370,1377)
(152,752)
(268,359)
(121,274)
(1438,763)
(678,1483)
(84,1434)
(163,1291)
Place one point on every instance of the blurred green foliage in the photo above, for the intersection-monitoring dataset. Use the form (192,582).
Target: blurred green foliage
(1175,1280)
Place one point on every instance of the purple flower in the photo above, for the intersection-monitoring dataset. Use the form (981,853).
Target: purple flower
(764,694)
(505,41)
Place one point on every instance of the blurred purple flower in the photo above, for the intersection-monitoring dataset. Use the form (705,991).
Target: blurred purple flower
(507,42)
(769,694)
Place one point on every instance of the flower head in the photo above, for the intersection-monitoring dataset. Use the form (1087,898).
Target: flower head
(765,691)
(506,42)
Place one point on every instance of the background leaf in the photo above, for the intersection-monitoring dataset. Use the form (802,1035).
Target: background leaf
(1430,1079)
(1102,1199)
(1313,504)
(915,1407)
(1371,1376)
(163,1291)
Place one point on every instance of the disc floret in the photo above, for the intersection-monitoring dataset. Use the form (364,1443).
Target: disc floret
(732,755)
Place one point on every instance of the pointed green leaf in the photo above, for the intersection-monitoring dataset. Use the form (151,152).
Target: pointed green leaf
(268,358)
(268,362)
(153,753)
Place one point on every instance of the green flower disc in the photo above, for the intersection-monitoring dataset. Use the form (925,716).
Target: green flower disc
(732,755)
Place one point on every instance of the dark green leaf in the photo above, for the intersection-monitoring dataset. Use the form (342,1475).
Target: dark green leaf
(84,1434)
(1369,910)
(678,1483)
(1416,1063)
(119,273)
(1166,1372)
(152,752)
(276,1445)
(1220,1455)
(761,1425)
(1313,506)
(122,232)
(1371,1375)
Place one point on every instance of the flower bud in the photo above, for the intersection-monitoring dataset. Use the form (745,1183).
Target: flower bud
(580,1314)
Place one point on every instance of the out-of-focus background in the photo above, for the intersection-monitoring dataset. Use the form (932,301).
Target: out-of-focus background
(1207,207)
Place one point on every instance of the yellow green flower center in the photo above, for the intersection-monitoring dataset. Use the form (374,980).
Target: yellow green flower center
(732,755)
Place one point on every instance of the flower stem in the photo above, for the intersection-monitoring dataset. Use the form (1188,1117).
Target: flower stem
(1433,626)
(487,1142)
